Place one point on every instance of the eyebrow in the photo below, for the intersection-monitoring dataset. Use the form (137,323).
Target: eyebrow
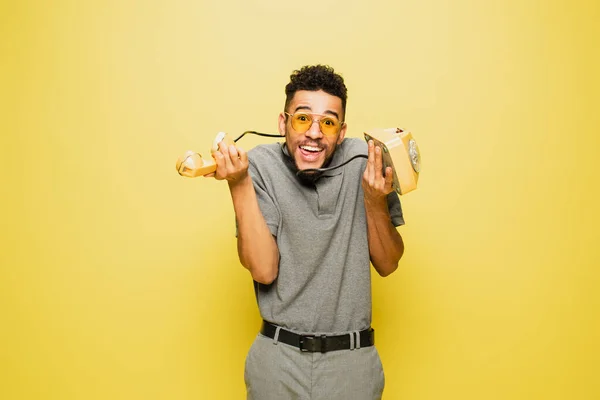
(310,109)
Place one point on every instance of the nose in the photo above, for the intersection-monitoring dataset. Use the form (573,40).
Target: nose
(314,132)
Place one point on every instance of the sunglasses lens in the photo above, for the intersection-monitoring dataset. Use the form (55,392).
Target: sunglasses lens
(301,122)
(329,126)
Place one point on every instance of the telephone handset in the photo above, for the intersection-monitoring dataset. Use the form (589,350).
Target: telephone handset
(191,164)
(399,150)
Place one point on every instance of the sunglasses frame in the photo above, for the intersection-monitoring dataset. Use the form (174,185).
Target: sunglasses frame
(313,120)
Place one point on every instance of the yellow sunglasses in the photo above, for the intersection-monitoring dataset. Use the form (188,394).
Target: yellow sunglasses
(301,122)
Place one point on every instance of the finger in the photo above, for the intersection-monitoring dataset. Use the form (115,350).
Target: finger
(224,149)
(221,170)
(389,178)
(371,163)
(378,164)
(209,175)
(371,158)
(233,155)
(243,156)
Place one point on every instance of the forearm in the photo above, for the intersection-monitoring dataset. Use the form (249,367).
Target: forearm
(257,248)
(385,243)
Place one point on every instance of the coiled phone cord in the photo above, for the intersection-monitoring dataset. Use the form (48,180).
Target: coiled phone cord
(309,170)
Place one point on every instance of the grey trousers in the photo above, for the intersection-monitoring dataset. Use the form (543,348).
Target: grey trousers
(283,372)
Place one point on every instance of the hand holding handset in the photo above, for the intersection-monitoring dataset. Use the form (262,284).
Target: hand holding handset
(399,151)
(192,164)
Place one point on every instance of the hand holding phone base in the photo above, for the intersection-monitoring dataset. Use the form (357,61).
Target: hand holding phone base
(400,151)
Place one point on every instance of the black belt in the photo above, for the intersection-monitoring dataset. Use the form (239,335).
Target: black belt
(320,343)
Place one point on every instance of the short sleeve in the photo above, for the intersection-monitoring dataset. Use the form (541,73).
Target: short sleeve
(393,200)
(265,199)
(395,209)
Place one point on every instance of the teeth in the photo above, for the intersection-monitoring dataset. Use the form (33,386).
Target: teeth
(310,148)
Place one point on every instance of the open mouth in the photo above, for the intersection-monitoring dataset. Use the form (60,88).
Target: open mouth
(311,149)
(310,153)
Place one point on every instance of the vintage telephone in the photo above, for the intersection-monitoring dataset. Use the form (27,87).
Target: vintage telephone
(400,151)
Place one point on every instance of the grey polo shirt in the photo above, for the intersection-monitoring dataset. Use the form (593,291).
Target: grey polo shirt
(324,280)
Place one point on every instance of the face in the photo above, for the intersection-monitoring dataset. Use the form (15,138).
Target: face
(312,149)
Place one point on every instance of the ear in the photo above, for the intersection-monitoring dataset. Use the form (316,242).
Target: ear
(281,124)
(342,133)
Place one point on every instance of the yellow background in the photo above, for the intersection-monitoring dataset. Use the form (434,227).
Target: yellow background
(120,280)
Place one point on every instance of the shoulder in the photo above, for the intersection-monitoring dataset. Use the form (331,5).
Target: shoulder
(354,146)
(264,153)
(266,162)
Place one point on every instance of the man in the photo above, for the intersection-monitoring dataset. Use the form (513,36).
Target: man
(307,238)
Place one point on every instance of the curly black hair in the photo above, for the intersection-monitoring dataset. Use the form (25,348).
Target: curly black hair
(316,77)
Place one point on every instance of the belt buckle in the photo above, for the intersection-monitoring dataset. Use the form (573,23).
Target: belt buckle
(312,344)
